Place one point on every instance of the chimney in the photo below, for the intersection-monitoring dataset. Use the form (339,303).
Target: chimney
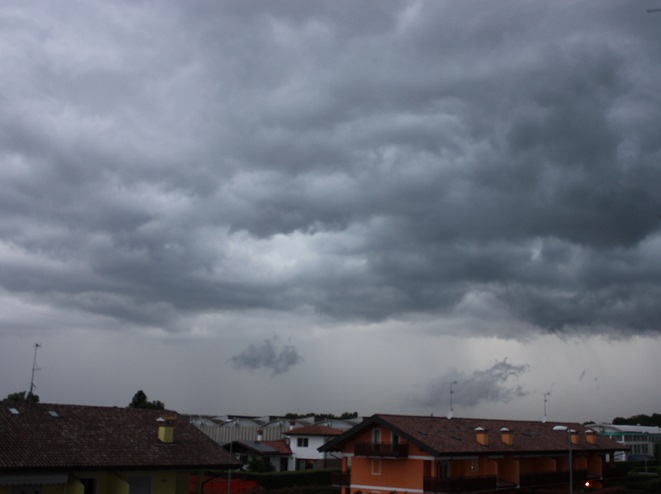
(260,435)
(574,437)
(590,436)
(481,436)
(166,429)
(292,423)
(506,436)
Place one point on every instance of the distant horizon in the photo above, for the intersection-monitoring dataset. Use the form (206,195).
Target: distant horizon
(331,416)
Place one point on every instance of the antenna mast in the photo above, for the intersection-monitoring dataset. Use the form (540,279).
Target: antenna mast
(34,368)
(545,400)
(451,393)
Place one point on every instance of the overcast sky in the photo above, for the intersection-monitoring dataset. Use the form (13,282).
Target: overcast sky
(295,206)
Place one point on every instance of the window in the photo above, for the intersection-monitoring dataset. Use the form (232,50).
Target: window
(89,486)
(302,442)
(139,485)
(376,467)
(376,436)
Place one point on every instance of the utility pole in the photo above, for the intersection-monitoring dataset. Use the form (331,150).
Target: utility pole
(34,368)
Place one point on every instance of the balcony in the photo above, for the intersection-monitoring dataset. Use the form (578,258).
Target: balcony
(550,478)
(460,484)
(341,479)
(382,450)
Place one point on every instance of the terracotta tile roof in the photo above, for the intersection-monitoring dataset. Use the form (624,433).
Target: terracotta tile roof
(442,436)
(276,447)
(42,436)
(280,446)
(314,430)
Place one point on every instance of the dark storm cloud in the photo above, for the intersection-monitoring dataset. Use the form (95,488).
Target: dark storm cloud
(156,159)
(267,356)
(489,385)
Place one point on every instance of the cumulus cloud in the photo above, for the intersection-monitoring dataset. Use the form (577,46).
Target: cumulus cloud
(267,355)
(494,384)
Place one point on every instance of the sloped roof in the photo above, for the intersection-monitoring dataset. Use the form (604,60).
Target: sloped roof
(53,437)
(457,436)
(277,447)
(280,446)
(314,430)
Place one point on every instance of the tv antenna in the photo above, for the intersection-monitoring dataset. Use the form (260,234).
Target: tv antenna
(34,368)
(451,393)
(546,395)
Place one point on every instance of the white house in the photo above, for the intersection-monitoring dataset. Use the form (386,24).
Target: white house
(304,443)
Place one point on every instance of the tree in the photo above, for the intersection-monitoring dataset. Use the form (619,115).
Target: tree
(641,419)
(23,396)
(140,401)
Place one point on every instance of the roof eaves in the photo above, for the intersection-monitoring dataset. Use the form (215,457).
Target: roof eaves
(376,419)
(405,435)
(346,435)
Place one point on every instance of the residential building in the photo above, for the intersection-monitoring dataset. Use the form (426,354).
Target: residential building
(72,449)
(641,440)
(427,454)
(270,438)
(273,455)
(305,443)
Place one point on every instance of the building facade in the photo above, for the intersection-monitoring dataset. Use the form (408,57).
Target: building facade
(415,454)
(642,441)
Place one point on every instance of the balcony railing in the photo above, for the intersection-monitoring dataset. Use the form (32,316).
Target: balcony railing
(382,450)
(341,479)
(459,484)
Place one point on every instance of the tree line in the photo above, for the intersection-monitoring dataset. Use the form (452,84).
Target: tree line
(653,420)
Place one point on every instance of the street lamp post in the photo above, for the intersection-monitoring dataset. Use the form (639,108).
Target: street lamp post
(569,432)
(229,472)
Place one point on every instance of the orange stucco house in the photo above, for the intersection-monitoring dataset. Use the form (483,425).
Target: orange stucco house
(426,454)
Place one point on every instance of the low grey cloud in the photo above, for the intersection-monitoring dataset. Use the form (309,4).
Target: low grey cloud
(494,384)
(195,172)
(365,163)
(268,356)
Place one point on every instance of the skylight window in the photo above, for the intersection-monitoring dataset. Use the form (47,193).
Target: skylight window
(53,413)
(14,411)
